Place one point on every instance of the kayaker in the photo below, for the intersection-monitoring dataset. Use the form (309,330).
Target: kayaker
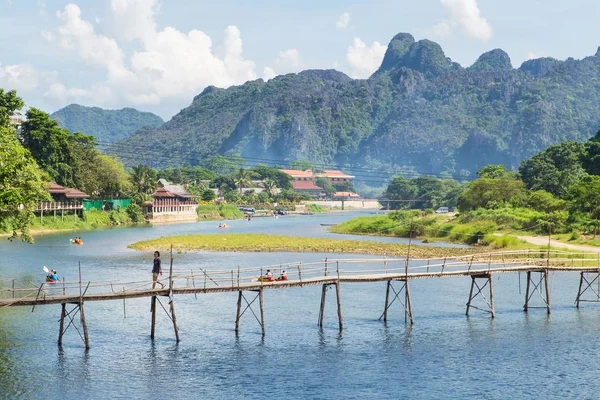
(269,275)
(282,276)
(52,276)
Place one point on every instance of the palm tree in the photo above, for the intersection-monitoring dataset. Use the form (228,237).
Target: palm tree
(242,178)
(144,179)
(269,185)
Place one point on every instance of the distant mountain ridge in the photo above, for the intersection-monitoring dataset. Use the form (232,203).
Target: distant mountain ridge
(419,111)
(108,126)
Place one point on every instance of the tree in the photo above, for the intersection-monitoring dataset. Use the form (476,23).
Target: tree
(401,189)
(269,185)
(85,157)
(493,171)
(49,144)
(484,192)
(208,195)
(9,103)
(283,180)
(429,192)
(112,177)
(22,184)
(143,179)
(541,200)
(243,179)
(225,164)
(344,187)
(302,165)
(591,161)
(555,169)
(585,196)
(327,187)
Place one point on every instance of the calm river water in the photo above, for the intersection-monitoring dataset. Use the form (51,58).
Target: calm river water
(444,355)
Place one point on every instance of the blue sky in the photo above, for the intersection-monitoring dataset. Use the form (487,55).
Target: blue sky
(156,55)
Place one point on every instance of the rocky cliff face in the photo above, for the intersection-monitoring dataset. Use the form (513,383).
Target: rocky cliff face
(419,111)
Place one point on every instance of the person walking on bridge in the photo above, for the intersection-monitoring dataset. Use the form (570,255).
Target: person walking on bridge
(156,270)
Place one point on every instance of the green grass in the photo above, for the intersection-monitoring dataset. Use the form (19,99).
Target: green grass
(276,243)
(218,211)
(314,208)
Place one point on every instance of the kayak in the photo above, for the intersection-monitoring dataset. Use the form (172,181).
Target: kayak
(50,280)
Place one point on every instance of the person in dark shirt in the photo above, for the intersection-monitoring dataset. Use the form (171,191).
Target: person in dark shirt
(156,270)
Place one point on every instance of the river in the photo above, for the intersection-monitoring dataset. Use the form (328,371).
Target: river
(444,355)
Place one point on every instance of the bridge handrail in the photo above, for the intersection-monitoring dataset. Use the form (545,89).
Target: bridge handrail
(202,277)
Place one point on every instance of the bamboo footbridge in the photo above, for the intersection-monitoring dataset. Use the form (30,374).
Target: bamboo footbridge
(537,264)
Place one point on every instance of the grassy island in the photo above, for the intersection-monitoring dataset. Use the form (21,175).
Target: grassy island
(276,243)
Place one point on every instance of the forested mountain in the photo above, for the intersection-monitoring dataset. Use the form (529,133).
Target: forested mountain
(107,126)
(419,111)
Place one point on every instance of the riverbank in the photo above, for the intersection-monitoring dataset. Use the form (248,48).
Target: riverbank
(279,243)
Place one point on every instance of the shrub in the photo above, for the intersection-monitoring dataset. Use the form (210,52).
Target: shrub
(135,213)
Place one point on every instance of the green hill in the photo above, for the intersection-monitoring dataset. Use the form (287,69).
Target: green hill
(108,126)
(419,111)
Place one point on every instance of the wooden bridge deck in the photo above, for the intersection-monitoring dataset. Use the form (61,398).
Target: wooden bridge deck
(321,273)
(479,267)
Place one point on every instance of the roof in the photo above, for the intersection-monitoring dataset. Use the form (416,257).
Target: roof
(345,194)
(169,190)
(333,173)
(56,188)
(305,185)
(162,192)
(69,193)
(328,173)
(296,173)
(75,194)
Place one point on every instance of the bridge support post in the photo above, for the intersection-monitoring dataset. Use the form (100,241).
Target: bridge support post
(63,314)
(584,278)
(174,318)
(238,315)
(262,311)
(408,315)
(86,338)
(479,292)
(534,284)
(71,314)
(339,304)
(322,309)
(240,312)
(171,314)
(153,321)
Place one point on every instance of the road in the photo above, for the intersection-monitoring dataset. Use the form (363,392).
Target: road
(543,241)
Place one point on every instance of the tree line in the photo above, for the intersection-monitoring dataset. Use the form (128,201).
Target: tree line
(556,190)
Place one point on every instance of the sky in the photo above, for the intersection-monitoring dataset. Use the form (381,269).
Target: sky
(156,55)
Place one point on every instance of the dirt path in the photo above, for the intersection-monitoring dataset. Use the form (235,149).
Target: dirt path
(543,241)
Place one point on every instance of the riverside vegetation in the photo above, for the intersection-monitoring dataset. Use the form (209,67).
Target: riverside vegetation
(278,243)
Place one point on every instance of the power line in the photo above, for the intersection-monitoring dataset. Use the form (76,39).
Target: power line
(374,175)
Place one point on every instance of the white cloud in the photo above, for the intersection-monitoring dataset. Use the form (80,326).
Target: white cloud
(363,59)
(464,15)
(442,29)
(170,65)
(343,21)
(94,49)
(268,73)
(24,77)
(287,61)
(48,36)
(531,55)
(135,18)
